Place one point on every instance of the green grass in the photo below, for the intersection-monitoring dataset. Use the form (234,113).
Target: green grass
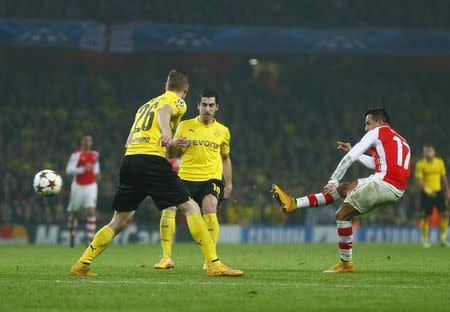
(277,278)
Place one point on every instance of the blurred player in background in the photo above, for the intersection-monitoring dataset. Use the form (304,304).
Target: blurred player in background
(203,163)
(145,171)
(431,175)
(390,158)
(84,165)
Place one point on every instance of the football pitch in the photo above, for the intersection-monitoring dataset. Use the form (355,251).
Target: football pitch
(277,278)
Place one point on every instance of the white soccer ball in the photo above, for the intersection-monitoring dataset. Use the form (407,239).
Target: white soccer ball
(47,183)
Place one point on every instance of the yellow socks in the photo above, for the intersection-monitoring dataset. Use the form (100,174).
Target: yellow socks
(425,228)
(167,231)
(201,236)
(213,226)
(101,240)
(444,228)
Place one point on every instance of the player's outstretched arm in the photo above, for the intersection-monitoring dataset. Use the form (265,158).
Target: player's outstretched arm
(353,155)
(366,160)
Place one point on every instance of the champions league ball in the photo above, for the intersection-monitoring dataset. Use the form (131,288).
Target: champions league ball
(47,183)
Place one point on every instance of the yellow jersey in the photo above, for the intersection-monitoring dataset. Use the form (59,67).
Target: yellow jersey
(146,130)
(202,160)
(430,173)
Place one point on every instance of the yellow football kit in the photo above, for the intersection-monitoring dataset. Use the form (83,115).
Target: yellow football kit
(202,160)
(430,173)
(146,130)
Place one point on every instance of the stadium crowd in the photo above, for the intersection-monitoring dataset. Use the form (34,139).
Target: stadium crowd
(284,127)
(325,13)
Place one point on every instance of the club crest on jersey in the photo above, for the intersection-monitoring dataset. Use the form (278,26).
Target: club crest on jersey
(180,102)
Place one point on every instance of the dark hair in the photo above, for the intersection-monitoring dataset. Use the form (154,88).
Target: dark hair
(177,80)
(210,93)
(378,113)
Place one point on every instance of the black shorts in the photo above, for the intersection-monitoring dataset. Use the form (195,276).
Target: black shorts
(427,203)
(148,175)
(199,190)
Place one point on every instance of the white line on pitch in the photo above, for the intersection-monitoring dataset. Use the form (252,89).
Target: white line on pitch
(243,283)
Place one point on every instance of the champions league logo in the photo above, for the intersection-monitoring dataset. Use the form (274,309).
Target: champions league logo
(188,39)
(43,35)
(339,42)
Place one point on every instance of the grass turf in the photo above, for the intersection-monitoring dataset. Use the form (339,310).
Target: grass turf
(277,277)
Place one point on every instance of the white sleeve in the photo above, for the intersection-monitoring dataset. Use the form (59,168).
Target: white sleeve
(97,166)
(355,153)
(367,161)
(72,168)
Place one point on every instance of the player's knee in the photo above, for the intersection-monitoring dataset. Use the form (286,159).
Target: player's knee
(120,221)
(339,215)
(189,207)
(209,204)
(209,209)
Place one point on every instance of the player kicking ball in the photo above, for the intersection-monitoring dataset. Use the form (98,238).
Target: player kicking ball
(390,158)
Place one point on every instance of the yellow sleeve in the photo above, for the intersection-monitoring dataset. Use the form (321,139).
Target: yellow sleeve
(443,171)
(179,108)
(419,170)
(225,147)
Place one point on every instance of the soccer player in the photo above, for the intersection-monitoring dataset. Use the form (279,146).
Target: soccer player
(203,163)
(390,158)
(431,175)
(146,172)
(85,167)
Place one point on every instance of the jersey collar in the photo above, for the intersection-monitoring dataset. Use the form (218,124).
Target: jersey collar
(204,125)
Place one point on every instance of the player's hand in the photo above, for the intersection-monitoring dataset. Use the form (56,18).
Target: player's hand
(227,190)
(181,142)
(429,192)
(344,146)
(331,187)
(88,167)
(165,139)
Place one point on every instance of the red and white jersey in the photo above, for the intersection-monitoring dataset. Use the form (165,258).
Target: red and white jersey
(391,157)
(77,163)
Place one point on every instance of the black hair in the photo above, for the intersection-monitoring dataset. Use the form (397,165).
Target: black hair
(210,93)
(378,113)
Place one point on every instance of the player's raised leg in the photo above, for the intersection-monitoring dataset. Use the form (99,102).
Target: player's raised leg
(167,229)
(101,240)
(199,232)
(288,203)
(345,231)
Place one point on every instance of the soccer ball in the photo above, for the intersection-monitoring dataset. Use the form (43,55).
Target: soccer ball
(47,183)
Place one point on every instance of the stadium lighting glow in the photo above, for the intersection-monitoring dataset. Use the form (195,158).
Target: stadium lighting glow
(253,61)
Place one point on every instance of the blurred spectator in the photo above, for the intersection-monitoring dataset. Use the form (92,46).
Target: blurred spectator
(284,133)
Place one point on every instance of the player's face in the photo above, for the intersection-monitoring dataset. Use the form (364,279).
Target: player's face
(207,108)
(86,142)
(429,152)
(371,123)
